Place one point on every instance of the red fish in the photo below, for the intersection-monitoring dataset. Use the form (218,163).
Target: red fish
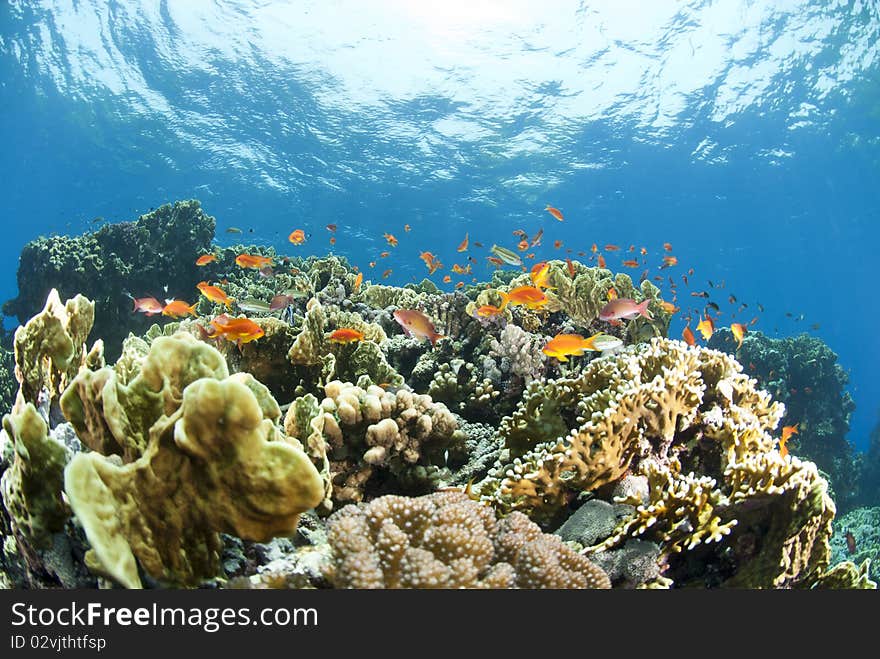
(625,308)
(345,335)
(464,244)
(555,212)
(148,305)
(688,336)
(417,324)
(205,259)
(631,263)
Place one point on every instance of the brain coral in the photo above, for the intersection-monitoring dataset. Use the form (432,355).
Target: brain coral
(446,540)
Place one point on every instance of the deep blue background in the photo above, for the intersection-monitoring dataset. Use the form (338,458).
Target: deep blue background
(797,232)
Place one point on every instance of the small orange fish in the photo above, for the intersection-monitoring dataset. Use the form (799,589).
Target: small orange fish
(345,335)
(611,248)
(495,261)
(668,262)
(214,294)
(447,279)
(390,238)
(519,233)
(239,330)
(178,308)
(384,255)
(563,346)
(530,255)
(739,331)
(688,336)
(787,432)
(594,248)
(489,310)
(417,324)
(332,240)
(631,263)
(706,327)
(463,245)
(528,296)
(386,273)
(601,261)
(252,261)
(539,274)
(667,247)
(611,294)
(522,245)
(643,251)
(557,244)
(407,228)
(570,267)
(668,307)
(459,284)
(205,259)
(372,264)
(357,282)
(297,236)
(331,228)
(148,305)
(555,212)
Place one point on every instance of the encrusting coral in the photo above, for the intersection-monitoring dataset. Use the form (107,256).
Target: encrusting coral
(446,540)
(214,461)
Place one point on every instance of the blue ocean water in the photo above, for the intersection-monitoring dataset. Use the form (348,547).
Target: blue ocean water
(747,135)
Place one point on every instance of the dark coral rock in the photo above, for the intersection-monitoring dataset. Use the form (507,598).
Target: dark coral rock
(127,258)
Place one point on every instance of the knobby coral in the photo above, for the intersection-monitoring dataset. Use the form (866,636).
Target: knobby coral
(446,540)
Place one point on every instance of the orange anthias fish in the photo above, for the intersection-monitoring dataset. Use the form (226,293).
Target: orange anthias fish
(600,261)
(417,324)
(253,261)
(331,228)
(433,264)
(357,282)
(386,273)
(688,336)
(706,327)
(611,248)
(464,244)
(528,296)
(489,310)
(787,432)
(148,305)
(205,259)
(178,308)
(594,248)
(668,307)
(390,238)
(346,335)
(297,237)
(668,262)
(631,263)
(611,294)
(214,294)
(383,255)
(407,228)
(555,212)
(563,346)
(570,266)
(239,330)
(539,274)
(667,247)
(522,245)
(557,244)
(739,331)
(447,279)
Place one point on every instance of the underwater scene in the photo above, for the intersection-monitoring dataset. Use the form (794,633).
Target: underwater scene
(473,294)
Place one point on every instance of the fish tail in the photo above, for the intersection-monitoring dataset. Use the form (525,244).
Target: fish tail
(643,309)
(192,308)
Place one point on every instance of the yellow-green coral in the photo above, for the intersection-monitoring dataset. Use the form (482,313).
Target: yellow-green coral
(215,465)
(50,347)
(113,409)
(446,540)
(31,487)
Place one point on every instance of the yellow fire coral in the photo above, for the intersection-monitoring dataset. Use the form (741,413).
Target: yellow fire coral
(446,540)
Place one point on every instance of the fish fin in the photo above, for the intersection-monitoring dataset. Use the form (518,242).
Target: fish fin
(643,310)
(505,299)
(436,337)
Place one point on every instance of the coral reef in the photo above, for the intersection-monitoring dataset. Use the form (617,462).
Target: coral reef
(118,259)
(802,373)
(446,540)
(367,432)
